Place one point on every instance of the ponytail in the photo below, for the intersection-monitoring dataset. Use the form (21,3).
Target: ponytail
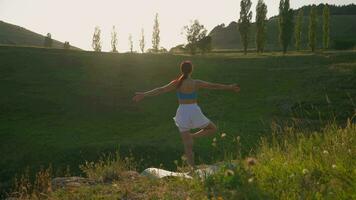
(180,79)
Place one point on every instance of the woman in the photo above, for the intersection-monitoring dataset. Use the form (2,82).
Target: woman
(188,116)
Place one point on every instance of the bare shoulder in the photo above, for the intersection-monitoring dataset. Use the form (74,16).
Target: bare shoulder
(201,83)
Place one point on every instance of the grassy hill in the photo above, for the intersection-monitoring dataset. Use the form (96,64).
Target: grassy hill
(342,27)
(65,107)
(18,36)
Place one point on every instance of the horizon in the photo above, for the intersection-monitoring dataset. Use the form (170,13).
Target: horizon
(78,29)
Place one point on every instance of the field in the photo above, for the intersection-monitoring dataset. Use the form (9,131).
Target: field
(65,107)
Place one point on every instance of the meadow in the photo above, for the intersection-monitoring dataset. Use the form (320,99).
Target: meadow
(66,107)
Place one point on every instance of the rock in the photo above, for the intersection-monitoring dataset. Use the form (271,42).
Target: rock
(70,182)
(203,171)
(156,173)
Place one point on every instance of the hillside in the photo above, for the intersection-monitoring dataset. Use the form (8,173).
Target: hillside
(18,36)
(65,107)
(342,27)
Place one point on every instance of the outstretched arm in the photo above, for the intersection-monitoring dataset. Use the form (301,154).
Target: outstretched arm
(157,91)
(217,86)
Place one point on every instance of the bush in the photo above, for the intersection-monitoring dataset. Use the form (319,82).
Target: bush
(344,44)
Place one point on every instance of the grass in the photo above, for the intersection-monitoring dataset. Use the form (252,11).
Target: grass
(68,107)
(290,165)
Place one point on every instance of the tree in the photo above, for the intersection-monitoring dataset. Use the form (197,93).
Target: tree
(261,20)
(155,35)
(312,28)
(131,43)
(48,41)
(245,22)
(142,41)
(194,33)
(204,44)
(96,44)
(114,40)
(298,29)
(285,20)
(66,45)
(326,26)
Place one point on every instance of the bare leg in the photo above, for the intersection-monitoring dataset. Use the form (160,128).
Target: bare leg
(209,130)
(188,147)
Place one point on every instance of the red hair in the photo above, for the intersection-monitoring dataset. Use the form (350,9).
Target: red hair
(186,68)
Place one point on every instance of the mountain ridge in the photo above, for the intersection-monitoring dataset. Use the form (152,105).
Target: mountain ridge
(14,35)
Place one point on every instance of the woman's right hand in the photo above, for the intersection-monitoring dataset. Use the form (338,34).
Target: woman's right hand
(235,87)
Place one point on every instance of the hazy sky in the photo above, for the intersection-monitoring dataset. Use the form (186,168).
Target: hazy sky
(74,20)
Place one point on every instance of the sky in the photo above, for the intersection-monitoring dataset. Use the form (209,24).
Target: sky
(75,20)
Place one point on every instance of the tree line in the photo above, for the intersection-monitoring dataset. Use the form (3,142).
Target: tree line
(290,24)
(287,22)
(196,36)
(97,41)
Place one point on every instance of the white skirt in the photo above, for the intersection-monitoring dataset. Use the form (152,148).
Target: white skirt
(190,116)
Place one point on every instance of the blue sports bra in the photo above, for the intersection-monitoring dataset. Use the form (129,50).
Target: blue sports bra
(187,96)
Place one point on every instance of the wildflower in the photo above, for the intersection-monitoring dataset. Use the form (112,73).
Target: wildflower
(213,144)
(333,166)
(223,135)
(250,180)
(251,161)
(214,140)
(305,171)
(238,138)
(325,152)
(291,176)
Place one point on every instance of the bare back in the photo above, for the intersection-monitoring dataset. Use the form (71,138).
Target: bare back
(188,86)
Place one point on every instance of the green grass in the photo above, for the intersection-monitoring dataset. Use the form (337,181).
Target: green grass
(65,107)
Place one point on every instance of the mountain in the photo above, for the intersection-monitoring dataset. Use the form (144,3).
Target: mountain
(18,36)
(342,28)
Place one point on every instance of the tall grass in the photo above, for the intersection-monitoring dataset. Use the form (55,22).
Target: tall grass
(292,164)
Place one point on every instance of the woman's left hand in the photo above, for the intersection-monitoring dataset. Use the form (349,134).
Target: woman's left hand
(139,96)
(235,87)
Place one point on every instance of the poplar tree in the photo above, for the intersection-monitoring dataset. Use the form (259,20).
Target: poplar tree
(261,20)
(285,20)
(326,26)
(312,28)
(114,40)
(142,41)
(155,35)
(96,42)
(131,43)
(298,30)
(245,22)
